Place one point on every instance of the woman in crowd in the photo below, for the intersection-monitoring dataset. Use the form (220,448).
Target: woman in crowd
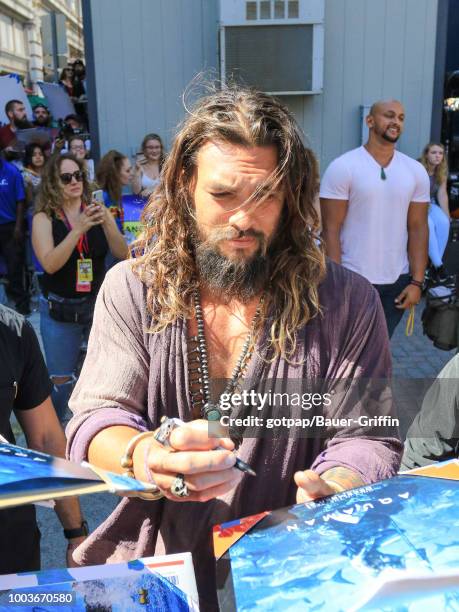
(434,161)
(114,172)
(66,80)
(148,166)
(77,147)
(34,162)
(71,237)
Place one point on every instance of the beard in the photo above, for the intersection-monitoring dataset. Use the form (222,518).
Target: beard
(231,278)
(392,139)
(41,121)
(22,124)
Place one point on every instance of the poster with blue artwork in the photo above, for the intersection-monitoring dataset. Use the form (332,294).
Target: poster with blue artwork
(338,553)
(27,476)
(148,584)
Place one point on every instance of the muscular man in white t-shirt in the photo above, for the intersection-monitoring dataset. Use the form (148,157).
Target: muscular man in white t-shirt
(374,203)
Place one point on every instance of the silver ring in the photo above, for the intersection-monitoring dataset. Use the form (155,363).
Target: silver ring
(179,488)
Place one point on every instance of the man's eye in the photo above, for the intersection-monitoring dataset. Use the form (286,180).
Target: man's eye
(221,194)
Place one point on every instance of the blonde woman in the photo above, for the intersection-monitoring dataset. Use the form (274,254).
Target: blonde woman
(434,161)
(148,166)
(71,237)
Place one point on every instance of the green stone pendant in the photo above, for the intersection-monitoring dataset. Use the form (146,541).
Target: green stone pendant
(383,174)
(211,412)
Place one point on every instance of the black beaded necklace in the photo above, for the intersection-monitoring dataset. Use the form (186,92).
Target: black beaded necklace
(211,410)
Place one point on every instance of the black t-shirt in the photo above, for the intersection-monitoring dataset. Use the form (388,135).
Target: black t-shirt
(24,380)
(24,384)
(63,282)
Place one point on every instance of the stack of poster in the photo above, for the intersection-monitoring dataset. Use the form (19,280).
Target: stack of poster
(391,545)
(27,476)
(149,584)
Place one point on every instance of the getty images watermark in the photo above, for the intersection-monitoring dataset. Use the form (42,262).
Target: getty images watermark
(306,401)
(301,409)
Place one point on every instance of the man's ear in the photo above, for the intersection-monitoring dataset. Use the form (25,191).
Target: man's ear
(369,120)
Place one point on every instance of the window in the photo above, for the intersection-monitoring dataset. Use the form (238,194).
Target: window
(251,10)
(265,9)
(293,9)
(6,33)
(279,9)
(19,39)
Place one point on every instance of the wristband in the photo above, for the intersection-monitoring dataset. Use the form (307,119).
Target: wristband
(79,532)
(127,463)
(416,283)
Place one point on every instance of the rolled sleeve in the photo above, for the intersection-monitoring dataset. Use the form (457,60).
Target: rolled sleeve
(368,443)
(372,460)
(113,385)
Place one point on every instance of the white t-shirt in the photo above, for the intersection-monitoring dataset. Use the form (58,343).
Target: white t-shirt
(374,235)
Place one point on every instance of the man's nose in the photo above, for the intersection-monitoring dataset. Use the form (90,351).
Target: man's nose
(243,217)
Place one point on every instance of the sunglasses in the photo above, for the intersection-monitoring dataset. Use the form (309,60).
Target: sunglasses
(67,177)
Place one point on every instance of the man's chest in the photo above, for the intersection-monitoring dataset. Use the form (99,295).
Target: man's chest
(225,338)
(369,193)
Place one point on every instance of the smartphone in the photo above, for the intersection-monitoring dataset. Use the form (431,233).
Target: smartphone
(140,159)
(97,197)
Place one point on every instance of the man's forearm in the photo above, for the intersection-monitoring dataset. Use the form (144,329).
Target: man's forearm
(417,251)
(332,245)
(68,510)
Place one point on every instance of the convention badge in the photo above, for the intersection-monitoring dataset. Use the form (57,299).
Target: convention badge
(83,286)
(84,271)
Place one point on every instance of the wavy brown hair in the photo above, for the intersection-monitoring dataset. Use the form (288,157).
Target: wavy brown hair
(164,253)
(441,171)
(108,175)
(50,197)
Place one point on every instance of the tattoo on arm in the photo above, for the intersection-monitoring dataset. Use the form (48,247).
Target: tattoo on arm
(343,477)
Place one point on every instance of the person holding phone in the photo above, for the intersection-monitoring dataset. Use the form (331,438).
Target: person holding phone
(71,236)
(148,166)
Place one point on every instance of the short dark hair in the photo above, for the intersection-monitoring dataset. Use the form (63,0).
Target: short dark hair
(75,118)
(9,106)
(41,105)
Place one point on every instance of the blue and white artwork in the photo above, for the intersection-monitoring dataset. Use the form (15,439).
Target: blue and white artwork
(25,472)
(329,555)
(137,592)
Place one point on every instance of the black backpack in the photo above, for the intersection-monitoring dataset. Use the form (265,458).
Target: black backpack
(440,319)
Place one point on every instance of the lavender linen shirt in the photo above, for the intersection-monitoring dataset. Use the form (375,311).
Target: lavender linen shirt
(133,378)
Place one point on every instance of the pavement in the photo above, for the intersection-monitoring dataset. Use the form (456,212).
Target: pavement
(416,362)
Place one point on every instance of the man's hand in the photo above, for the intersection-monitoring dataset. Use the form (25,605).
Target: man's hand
(410,296)
(208,473)
(311,486)
(72,544)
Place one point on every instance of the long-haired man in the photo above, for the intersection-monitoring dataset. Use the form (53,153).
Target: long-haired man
(229,284)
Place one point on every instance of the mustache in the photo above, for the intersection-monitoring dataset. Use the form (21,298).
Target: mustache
(231,233)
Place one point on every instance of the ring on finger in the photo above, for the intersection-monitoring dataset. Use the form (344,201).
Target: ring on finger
(179,487)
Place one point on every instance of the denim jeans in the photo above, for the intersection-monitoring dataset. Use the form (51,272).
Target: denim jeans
(388,293)
(62,343)
(438,234)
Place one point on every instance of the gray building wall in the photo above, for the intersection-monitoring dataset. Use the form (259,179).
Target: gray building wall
(147,51)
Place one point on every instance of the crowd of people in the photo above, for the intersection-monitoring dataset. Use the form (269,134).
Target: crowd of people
(228,281)
(23,169)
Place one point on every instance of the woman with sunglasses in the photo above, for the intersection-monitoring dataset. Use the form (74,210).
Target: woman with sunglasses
(71,237)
